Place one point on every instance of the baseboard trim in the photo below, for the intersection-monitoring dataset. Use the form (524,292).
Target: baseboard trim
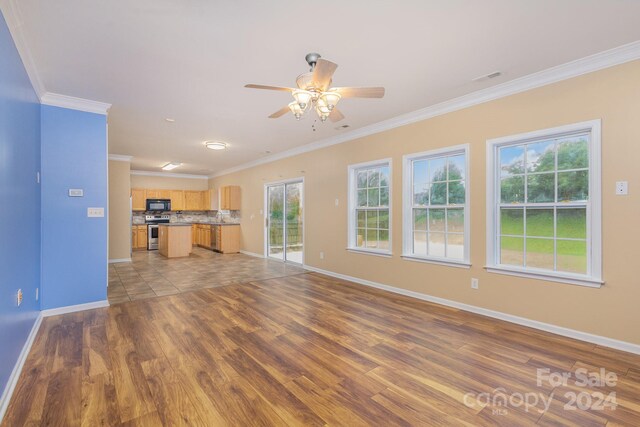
(116,260)
(547,327)
(253,254)
(74,308)
(17,369)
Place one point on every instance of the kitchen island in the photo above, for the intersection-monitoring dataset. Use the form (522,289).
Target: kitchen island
(174,240)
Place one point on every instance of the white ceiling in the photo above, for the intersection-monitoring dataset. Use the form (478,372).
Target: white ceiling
(189,60)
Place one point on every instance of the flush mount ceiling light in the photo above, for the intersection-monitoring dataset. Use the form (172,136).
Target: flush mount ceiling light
(314,93)
(215,145)
(170,120)
(170,166)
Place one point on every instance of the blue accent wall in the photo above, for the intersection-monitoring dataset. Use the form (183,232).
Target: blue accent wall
(74,247)
(19,204)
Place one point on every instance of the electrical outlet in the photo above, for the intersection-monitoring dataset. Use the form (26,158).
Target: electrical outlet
(321,255)
(474,283)
(337,202)
(622,188)
(19,297)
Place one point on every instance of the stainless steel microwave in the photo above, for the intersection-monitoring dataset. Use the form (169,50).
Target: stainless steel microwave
(158,205)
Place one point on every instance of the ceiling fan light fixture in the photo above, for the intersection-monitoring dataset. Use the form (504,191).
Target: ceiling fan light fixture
(322,107)
(302,97)
(216,145)
(330,99)
(296,110)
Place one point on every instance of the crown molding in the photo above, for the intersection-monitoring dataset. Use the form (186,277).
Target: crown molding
(11,15)
(608,58)
(168,174)
(73,103)
(120,158)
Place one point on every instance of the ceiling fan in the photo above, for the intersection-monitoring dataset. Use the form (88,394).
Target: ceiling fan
(314,93)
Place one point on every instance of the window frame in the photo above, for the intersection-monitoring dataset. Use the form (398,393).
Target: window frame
(352,192)
(593,278)
(407,206)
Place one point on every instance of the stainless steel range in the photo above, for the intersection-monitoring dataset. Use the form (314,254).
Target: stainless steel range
(152,222)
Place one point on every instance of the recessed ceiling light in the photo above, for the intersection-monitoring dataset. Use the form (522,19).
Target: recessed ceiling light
(170,166)
(170,120)
(214,145)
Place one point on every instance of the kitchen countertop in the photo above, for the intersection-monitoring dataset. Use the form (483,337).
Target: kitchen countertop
(206,223)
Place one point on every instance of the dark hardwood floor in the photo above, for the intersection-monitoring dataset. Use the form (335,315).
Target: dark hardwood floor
(307,350)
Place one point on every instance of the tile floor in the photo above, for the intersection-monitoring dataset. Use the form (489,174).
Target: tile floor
(150,274)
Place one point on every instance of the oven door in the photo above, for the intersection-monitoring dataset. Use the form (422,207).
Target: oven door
(152,240)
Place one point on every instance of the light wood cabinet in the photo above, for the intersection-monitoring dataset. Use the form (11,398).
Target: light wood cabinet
(134,237)
(206,200)
(203,235)
(157,194)
(138,199)
(230,198)
(193,200)
(139,237)
(194,234)
(174,241)
(225,238)
(189,200)
(177,200)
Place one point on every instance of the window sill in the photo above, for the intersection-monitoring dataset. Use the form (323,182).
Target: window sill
(560,278)
(384,254)
(439,261)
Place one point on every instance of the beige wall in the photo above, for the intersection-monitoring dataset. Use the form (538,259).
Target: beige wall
(119,210)
(167,183)
(612,95)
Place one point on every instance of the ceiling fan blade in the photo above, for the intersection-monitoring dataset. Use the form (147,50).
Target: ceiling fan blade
(281,112)
(252,86)
(360,92)
(322,73)
(336,115)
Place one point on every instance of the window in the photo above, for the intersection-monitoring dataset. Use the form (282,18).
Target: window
(544,204)
(435,206)
(369,201)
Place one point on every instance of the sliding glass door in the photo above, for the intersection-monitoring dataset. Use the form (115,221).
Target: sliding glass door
(284,234)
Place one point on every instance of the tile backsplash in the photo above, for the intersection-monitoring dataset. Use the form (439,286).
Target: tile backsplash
(196,216)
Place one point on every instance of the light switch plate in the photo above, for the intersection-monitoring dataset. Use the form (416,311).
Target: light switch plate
(76,192)
(95,212)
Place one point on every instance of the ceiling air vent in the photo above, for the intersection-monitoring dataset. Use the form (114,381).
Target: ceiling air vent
(488,76)
(341,127)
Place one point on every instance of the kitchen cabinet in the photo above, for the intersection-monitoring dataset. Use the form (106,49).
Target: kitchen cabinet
(157,194)
(189,200)
(139,237)
(174,240)
(225,238)
(138,199)
(193,200)
(194,234)
(230,198)
(177,200)
(204,235)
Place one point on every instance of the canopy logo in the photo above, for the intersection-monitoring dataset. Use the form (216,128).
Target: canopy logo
(577,390)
